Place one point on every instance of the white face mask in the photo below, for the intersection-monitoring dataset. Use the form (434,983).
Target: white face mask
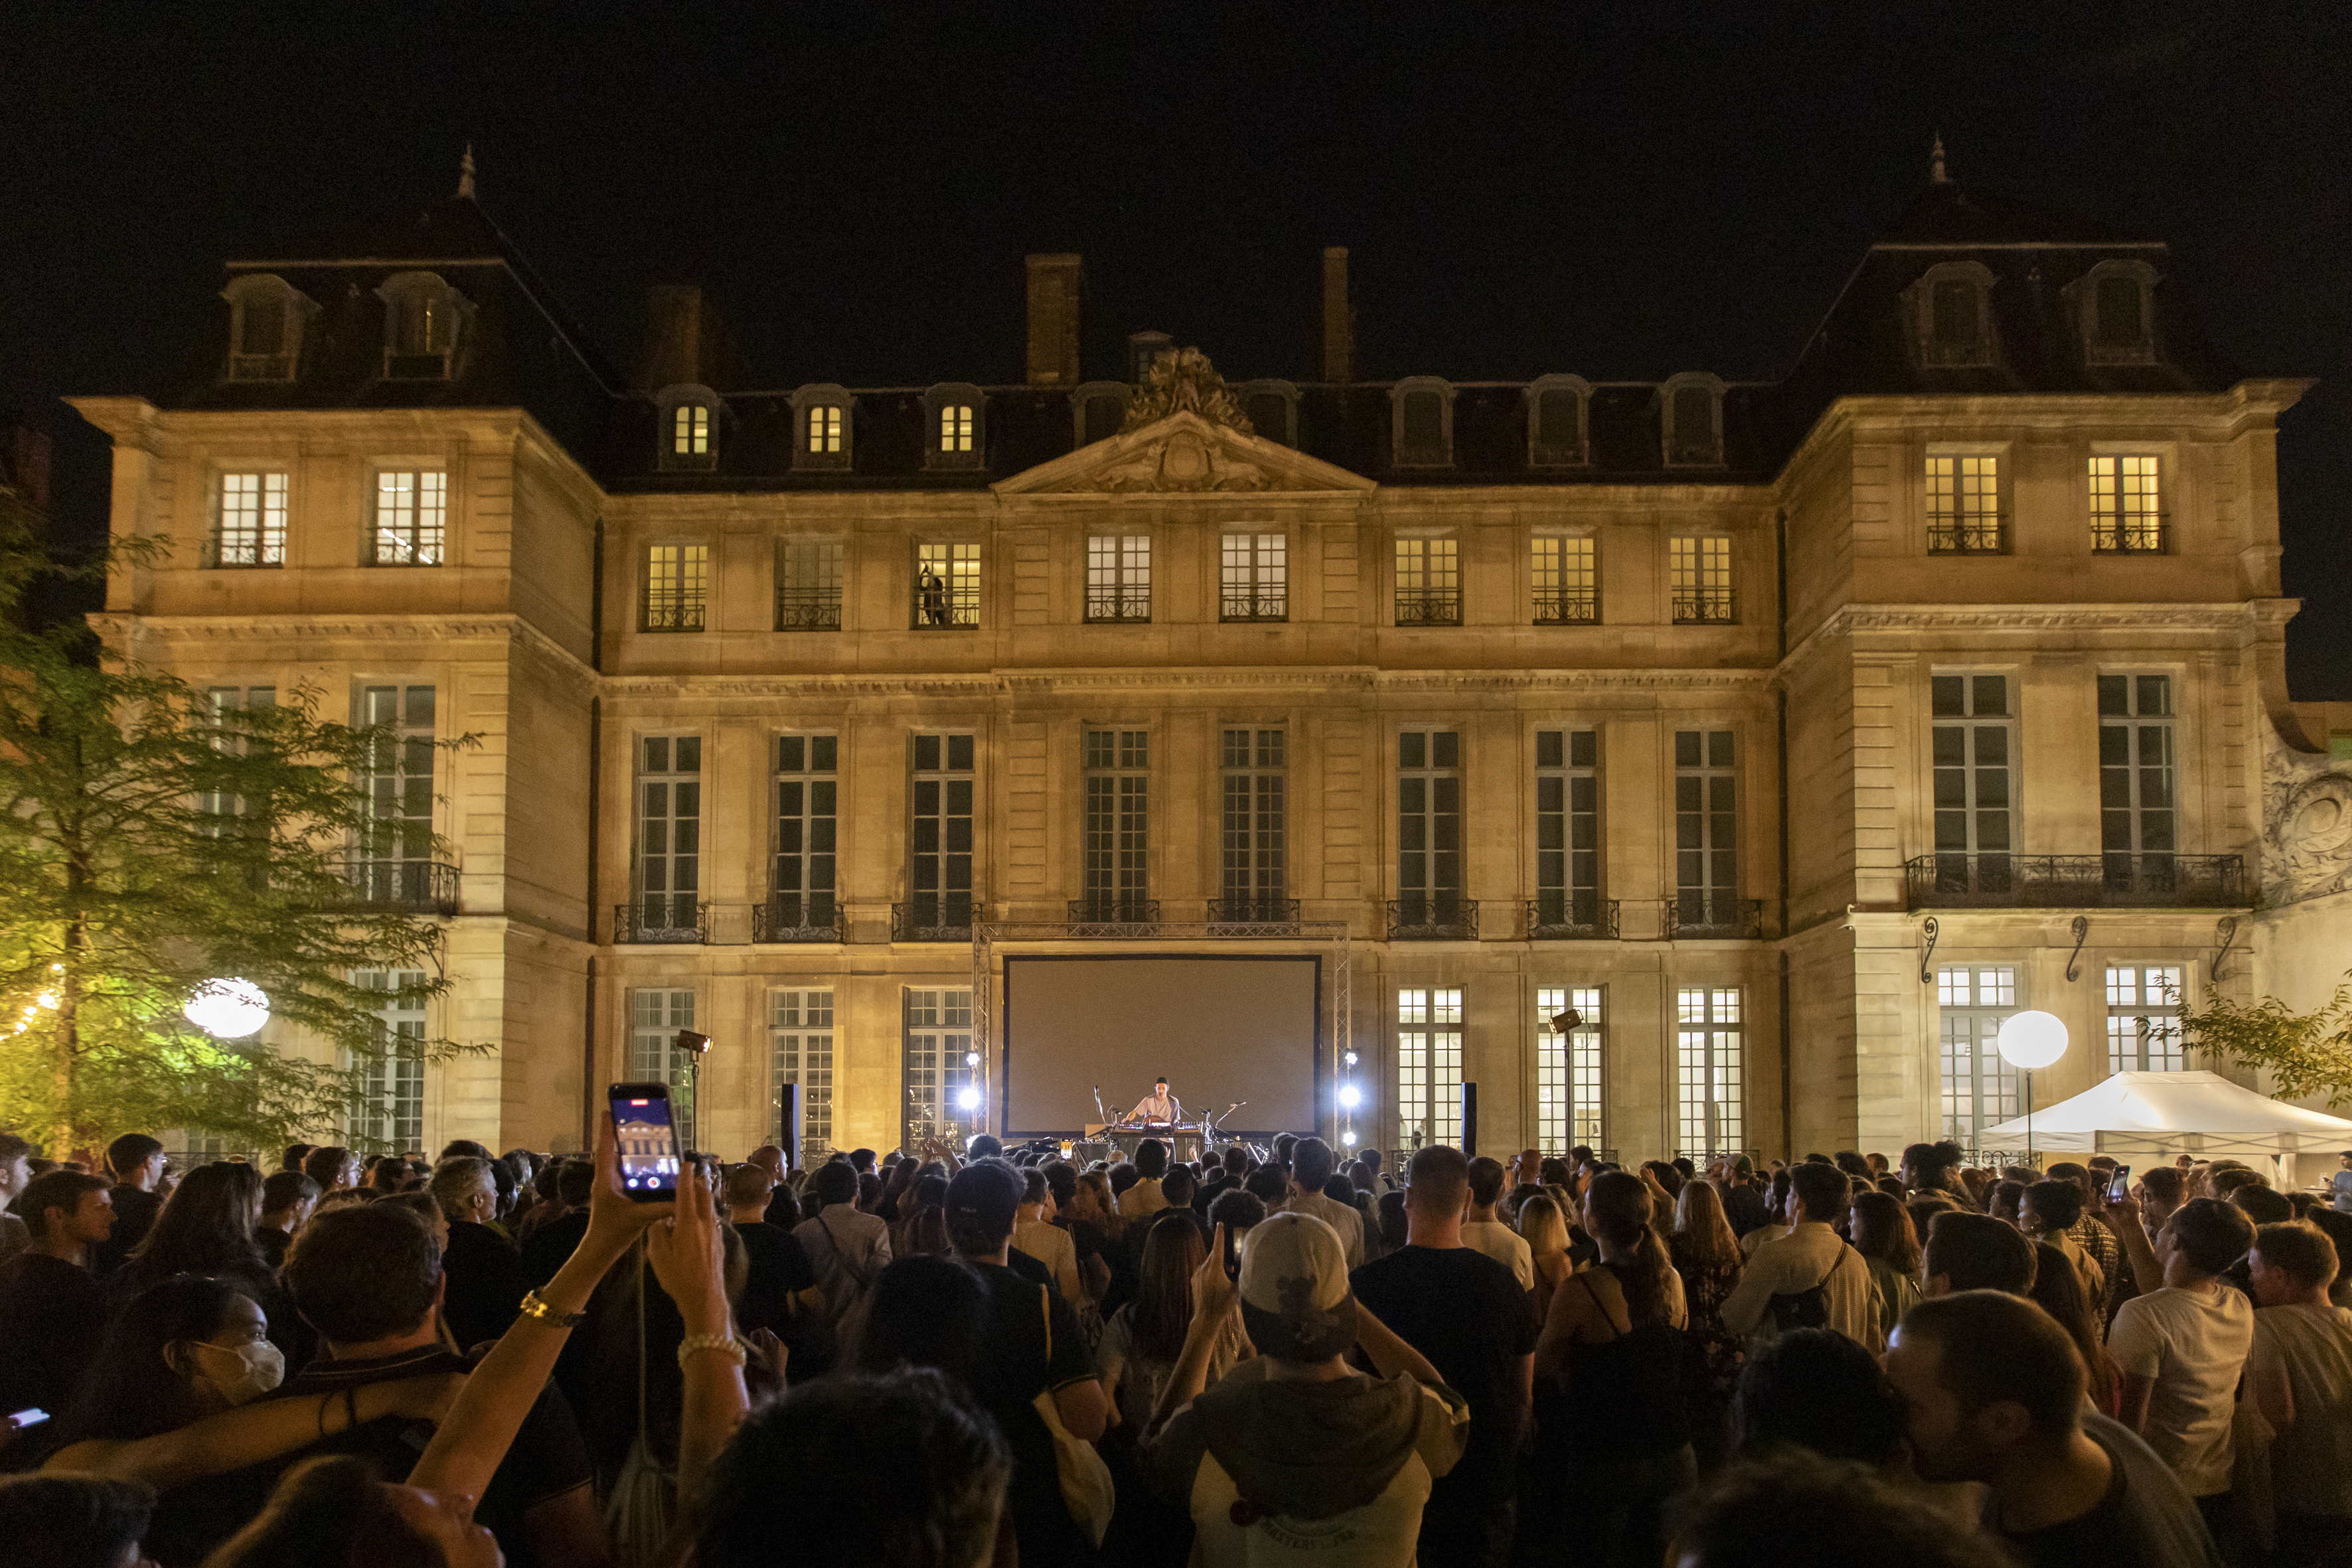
(262,1368)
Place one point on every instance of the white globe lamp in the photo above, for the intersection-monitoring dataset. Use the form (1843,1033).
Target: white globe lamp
(2029,1040)
(227,1009)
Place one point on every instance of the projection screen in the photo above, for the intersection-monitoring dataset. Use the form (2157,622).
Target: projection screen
(1222,1028)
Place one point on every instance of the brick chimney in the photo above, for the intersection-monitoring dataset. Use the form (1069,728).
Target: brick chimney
(1056,284)
(685,343)
(1339,320)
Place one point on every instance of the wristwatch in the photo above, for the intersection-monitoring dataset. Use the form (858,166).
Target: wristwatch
(533,1307)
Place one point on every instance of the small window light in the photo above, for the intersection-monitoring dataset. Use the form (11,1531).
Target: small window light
(825,428)
(690,430)
(955,427)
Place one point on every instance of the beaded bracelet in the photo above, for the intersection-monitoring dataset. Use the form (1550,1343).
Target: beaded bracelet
(725,1345)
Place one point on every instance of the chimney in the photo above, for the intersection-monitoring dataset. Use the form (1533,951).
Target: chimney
(1056,284)
(685,341)
(1338,321)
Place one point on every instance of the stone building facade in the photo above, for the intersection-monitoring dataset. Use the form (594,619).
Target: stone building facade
(1790,734)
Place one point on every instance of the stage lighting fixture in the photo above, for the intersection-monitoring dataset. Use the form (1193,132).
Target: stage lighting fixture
(1351,1097)
(1349,1058)
(968,1099)
(1565,1021)
(971,1059)
(690,1043)
(1348,1139)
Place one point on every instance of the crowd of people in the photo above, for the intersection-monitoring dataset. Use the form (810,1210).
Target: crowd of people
(954,1358)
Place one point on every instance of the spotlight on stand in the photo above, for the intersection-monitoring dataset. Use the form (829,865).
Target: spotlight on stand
(692,1044)
(1568,1020)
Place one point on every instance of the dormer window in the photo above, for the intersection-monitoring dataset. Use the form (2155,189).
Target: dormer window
(1422,409)
(1098,409)
(2114,304)
(1951,307)
(424,323)
(690,418)
(822,427)
(1691,403)
(956,416)
(1272,407)
(1556,421)
(266,320)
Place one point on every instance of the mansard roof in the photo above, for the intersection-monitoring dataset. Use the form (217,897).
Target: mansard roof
(521,350)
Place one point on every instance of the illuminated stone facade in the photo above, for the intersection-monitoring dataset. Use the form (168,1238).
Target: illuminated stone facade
(1628,695)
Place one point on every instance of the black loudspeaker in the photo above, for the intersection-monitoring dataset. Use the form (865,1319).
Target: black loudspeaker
(1470,1120)
(788,1124)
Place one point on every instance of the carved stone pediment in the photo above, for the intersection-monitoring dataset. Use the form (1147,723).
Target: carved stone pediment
(1184,453)
(1185,381)
(2306,823)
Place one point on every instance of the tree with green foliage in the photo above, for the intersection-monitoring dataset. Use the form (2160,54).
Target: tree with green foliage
(2304,1053)
(153,840)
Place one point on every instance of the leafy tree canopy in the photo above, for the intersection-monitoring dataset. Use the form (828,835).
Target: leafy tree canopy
(2304,1053)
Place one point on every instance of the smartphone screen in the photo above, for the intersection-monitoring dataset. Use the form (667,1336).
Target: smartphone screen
(2119,1185)
(1233,1255)
(647,1139)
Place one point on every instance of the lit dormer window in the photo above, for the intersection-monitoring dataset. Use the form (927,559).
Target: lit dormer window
(690,430)
(958,415)
(424,322)
(1555,420)
(690,417)
(2114,304)
(1422,409)
(822,427)
(266,320)
(1692,405)
(1951,309)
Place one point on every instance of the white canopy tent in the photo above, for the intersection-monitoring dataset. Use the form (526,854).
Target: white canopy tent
(2168,1113)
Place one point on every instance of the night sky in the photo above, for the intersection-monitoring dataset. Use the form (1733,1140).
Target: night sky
(1655,188)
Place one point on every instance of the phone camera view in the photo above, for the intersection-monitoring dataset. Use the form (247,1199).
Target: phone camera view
(648,1144)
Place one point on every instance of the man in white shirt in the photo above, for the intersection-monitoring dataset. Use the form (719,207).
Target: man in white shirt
(1808,1278)
(849,1249)
(1489,1234)
(1158,1106)
(2183,1341)
(2299,1376)
(1311,1163)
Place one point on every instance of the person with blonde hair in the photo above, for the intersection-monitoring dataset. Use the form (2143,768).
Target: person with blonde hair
(1706,1254)
(1545,1230)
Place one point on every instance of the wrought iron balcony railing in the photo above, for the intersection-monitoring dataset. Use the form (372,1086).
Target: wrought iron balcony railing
(672,614)
(800,917)
(808,609)
(1711,607)
(1433,917)
(417,887)
(1707,915)
(1563,917)
(662,918)
(943,610)
(1115,914)
(1117,606)
(2046,881)
(1264,916)
(1241,606)
(2147,533)
(1982,534)
(1429,607)
(933,918)
(1566,607)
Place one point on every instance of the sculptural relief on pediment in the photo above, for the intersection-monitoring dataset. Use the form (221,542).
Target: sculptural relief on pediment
(2306,823)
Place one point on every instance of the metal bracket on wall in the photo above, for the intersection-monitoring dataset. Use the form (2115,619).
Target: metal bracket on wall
(2226,927)
(2081,929)
(1927,975)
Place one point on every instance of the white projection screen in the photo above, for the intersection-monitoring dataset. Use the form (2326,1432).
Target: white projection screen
(1222,1028)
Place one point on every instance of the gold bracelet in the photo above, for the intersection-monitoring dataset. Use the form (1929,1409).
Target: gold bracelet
(725,1345)
(533,1307)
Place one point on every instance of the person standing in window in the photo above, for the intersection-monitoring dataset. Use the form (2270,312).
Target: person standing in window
(935,598)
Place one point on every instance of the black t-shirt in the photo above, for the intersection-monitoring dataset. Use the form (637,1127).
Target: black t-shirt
(273,1243)
(134,1217)
(52,1317)
(548,1247)
(1466,1314)
(1030,1344)
(779,1269)
(1744,1207)
(486,1283)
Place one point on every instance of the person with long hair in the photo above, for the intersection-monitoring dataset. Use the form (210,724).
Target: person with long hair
(207,1228)
(1706,1257)
(1613,1441)
(175,1396)
(1889,1243)
(2059,1292)
(1142,1340)
(1545,1231)
(922,1227)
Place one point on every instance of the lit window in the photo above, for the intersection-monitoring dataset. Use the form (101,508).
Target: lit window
(1118,577)
(1428,582)
(251,530)
(1568,1070)
(1979,1085)
(2127,505)
(654,1018)
(2143,1018)
(800,1041)
(678,587)
(1567,589)
(824,429)
(947,586)
(1964,505)
(1710,1039)
(940,1091)
(1698,574)
(1253,577)
(955,427)
(412,518)
(690,430)
(1428,1069)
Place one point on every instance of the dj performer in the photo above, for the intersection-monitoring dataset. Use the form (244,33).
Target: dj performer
(1158,1106)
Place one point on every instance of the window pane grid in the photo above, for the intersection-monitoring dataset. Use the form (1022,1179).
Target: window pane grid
(2138,825)
(955,427)
(1118,577)
(939,835)
(1699,570)
(252,530)
(1118,822)
(1568,827)
(1429,824)
(412,515)
(390,1112)
(935,1072)
(1710,1042)
(1253,780)
(1980,1086)
(2144,1005)
(947,585)
(808,585)
(807,803)
(1706,830)
(400,790)
(1429,1070)
(800,1052)
(825,430)
(1567,590)
(1568,1070)
(690,430)
(1255,579)
(1428,582)
(2127,505)
(678,587)
(669,835)
(1964,505)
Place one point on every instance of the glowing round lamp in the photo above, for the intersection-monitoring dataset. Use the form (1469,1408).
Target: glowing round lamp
(971,1059)
(227,1009)
(1348,1138)
(1351,1097)
(2032,1040)
(968,1099)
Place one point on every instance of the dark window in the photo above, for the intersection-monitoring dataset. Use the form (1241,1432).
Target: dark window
(1568,827)
(1269,413)
(264,326)
(1557,437)
(1424,429)
(1695,424)
(1103,418)
(1429,818)
(1706,829)
(1956,324)
(2118,309)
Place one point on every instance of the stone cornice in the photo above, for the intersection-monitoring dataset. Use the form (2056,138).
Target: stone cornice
(121,629)
(1320,679)
(1993,621)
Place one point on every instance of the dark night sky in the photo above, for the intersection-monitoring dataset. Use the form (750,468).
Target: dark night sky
(1654,188)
